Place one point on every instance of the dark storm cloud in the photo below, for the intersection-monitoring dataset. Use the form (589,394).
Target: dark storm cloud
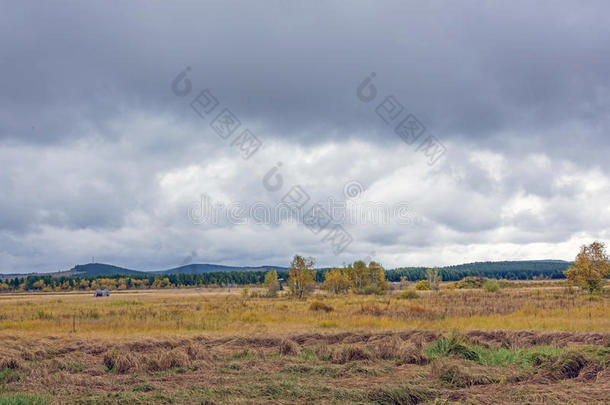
(471,69)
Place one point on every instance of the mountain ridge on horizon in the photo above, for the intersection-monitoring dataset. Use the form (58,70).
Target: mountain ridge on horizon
(100,269)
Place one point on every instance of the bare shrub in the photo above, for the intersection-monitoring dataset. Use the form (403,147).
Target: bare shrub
(434,278)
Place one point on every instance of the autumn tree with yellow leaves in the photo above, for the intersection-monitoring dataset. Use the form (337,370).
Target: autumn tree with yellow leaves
(590,267)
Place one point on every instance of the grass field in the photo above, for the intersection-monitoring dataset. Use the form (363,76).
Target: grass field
(539,344)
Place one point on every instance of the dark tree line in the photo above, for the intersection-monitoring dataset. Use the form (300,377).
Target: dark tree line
(497,270)
(526,270)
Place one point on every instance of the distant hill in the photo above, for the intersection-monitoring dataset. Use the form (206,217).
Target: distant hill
(212,268)
(101,269)
(516,270)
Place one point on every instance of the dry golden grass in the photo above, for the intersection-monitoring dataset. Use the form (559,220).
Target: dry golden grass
(185,312)
(526,345)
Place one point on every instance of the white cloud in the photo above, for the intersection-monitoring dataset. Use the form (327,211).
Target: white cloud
(138,218)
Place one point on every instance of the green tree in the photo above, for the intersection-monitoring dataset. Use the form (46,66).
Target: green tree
(590,267)
(271,283)
(377,278)
(301,276)
(357,275)
(366,279)
(336,281)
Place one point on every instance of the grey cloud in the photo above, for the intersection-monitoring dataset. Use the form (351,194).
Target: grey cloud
(89,127)
(464,69)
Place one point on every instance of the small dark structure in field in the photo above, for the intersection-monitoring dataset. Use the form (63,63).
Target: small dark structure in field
(100,293)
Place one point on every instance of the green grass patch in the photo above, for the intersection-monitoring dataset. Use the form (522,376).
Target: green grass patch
(457,346)
(22,399)
(9,375)
(499,356)
(454,345)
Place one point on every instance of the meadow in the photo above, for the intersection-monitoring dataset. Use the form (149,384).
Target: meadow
(536,342)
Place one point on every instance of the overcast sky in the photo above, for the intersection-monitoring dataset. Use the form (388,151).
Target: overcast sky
(103,154)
